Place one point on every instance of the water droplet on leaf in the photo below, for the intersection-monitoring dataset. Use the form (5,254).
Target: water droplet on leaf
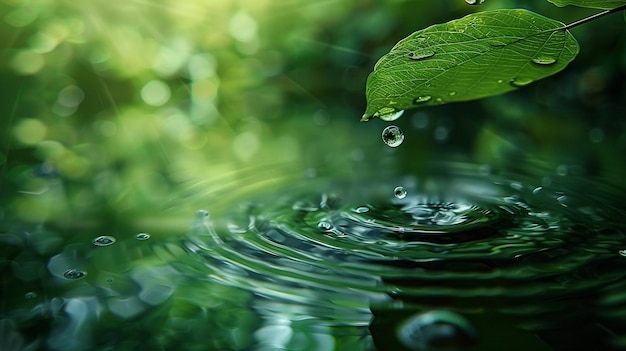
(520,82)
(544,60)
(103,240)
(474,2)
(142,236)
(325,226)
(422,99)
(421,55)
(392,115)
(74,274)
(399,192)
(393,136)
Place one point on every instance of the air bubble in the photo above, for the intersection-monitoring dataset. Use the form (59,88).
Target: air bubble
(74,274)
(422,99)
(142,236)
(437,330)
(361,209)
(399,192)
(393,136)
(103,240)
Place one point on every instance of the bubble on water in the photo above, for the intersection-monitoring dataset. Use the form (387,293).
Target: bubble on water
(142,236)
(393,136)
(103,240)
(74,274)
(399,192)
(421,55)
(361,209)
(325,226)
(422,99)
(437,330)
(30,295)
(520,81)
(474,2)
(389,114)
(544,60)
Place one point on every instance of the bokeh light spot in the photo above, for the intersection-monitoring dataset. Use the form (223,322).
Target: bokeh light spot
(27,62)
(155,93)
(30,131)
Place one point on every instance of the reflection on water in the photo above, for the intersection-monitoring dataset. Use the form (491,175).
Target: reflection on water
(468,257)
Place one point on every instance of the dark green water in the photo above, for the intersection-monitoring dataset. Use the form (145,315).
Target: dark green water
(471,258)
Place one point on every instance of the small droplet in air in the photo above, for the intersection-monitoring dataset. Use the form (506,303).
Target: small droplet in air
(520,82)
(103,240)
(421,99)
(142,236)
(399,192)
(544,60)
(389,114)
(474,2)
(437,330)
(421,55)
(74,274)
(393,136)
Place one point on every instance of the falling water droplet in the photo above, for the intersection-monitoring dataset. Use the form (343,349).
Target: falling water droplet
(392,115)
(422,99)
(520,82)
(544,60)
(142,236)
(474,2)
(437,330)
(103,240)
(421,55)
(399,192)
(74,274)
(393,136)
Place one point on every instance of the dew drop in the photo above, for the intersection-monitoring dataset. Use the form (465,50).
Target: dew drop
(421,55)
(361,209)
(74,274)
(392,115)
(399,192)
(452,93)
(103,240)
(142,236)
(474,2)
(422,99)
(537,190)
(393,136)
(30,295)
(437,330)
(520,82)
(544,60)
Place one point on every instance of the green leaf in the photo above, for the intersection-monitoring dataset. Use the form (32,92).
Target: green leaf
(483,54)
(595,4)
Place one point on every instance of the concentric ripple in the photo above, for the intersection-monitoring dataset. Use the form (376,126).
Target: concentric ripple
(463,241)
